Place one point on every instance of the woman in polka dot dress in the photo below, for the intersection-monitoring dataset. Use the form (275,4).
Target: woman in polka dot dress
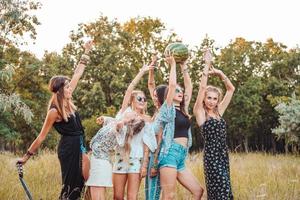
(208,109)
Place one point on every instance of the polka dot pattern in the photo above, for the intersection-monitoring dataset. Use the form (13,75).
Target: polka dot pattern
(216,160)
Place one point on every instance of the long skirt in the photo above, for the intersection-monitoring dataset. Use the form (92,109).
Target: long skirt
(70,158)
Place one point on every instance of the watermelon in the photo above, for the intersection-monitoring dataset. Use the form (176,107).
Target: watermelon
(178,50)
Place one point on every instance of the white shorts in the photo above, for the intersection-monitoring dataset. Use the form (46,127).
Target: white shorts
(100,173)
(132,166)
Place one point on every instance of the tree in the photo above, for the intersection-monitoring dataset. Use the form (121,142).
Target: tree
(16,20)
(289,119)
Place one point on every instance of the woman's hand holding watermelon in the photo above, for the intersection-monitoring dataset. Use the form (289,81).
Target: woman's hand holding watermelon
(170,60)
(184,67)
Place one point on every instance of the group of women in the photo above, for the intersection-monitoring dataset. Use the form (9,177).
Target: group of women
(155,147)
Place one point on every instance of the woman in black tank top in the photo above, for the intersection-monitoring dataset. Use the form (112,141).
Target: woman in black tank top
(63,117)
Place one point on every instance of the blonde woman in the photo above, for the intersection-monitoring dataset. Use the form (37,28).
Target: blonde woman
(115,132)
(62,115)
(130,167)
(209,109)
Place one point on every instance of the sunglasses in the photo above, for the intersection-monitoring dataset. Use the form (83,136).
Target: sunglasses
(178,90)
(140,99)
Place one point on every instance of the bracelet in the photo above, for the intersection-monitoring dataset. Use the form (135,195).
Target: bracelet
(28,153)
(185,70)
(225,79)
(85,59)
(155,166)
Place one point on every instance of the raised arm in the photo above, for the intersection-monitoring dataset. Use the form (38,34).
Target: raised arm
(81,66)
(172,80)
(188,86)
(229,90)
(50,119)
(151,81)
(198,110)
(131,87)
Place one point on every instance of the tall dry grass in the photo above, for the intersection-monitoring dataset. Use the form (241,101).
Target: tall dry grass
(254,176)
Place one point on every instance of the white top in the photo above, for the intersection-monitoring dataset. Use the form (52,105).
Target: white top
(145,136)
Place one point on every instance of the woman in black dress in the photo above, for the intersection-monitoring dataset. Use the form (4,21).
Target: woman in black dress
(208,109)
(62,115)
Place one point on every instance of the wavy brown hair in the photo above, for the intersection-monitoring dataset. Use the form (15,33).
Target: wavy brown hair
(64,107)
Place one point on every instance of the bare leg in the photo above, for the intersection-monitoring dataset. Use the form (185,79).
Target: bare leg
(133,186)
(119,182)
(85,166)
(189,181)
(168,177)
(97,193)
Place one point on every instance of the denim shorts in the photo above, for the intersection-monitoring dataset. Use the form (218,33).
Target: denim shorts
(175,157)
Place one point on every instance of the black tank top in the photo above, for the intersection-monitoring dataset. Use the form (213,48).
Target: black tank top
(71,128)
(182,125)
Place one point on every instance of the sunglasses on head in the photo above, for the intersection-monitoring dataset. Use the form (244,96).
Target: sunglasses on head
(140,99)
(178,90)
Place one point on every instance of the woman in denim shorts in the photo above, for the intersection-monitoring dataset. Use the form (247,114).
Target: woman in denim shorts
(176,138)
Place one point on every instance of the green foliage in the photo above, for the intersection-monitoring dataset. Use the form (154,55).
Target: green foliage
(289,119)
(262,73)
(17,19)
(90,127)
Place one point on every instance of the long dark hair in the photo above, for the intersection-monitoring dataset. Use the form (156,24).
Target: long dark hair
(56,86)
(162,91)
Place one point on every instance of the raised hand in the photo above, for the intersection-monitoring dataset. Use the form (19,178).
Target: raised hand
(154,59)
(183,65)
(170,60)
(207,57)
(145,68)
(88,46)
(214,71)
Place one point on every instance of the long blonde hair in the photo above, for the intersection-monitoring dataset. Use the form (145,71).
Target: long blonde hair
(64,107)
(133,96)
(134,127)
(217,90)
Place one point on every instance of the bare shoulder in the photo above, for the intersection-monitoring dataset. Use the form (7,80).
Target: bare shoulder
(52,113)
(147,118)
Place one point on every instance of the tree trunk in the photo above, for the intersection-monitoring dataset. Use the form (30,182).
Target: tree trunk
(286,147)
(246,145)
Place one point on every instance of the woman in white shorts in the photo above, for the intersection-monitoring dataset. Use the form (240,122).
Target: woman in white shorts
(115,131)
(131,168)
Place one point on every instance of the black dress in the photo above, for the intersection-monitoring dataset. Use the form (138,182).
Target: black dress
(216,160)
(70,149)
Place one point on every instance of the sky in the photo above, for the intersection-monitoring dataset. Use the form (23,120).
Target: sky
(221,20)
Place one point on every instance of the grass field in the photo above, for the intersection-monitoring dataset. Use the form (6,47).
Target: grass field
(254,176)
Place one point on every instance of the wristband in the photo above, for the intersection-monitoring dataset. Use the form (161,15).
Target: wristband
(28,153)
